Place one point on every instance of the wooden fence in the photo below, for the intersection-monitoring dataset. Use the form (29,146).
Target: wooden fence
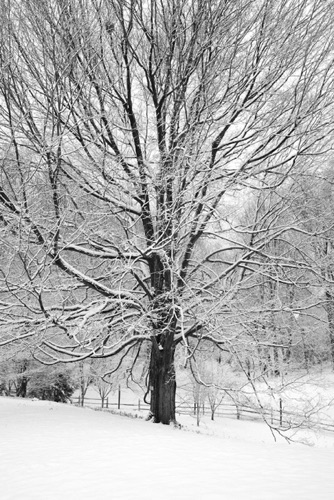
(279,418)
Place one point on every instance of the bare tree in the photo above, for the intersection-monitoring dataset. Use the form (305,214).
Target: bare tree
(129,130)
(104,384)
(314,209)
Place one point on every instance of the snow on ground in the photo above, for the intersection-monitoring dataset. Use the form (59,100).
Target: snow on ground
(55,451)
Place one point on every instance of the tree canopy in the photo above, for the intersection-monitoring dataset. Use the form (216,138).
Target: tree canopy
(131,134)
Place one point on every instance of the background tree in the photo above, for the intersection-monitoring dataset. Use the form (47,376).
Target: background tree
(27,377)
(84,377)
(314,209)
(129,131)
(103,383)
(50,384)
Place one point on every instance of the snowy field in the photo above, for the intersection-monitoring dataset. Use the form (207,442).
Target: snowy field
(56,451)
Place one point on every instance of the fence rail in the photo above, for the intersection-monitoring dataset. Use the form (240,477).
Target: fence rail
(280,418)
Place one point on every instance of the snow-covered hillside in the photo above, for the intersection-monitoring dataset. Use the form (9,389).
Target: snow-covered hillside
(55,451)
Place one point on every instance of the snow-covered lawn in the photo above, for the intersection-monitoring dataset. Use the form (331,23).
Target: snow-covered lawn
(55,451)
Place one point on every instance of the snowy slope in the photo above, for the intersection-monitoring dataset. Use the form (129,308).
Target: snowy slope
(54,451)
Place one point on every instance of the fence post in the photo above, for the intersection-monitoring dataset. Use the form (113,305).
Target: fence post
(107,403)
(138,404)
(238,412)
(280,412)
(119,398)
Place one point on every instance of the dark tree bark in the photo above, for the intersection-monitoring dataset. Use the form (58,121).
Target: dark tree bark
(162,384)
(21,390)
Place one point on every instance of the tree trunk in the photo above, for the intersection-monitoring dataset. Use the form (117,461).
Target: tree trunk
(83,393)
(21,390)
(330,315)
(162,383)
(305,349)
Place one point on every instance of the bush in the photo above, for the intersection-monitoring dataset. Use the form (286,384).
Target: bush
(53,387)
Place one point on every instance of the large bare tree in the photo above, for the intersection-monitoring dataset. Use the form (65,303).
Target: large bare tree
(129,130)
